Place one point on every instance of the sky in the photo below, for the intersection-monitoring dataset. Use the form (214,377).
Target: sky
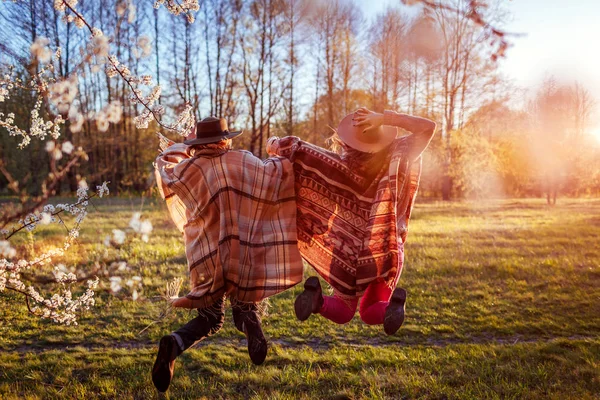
(560,38)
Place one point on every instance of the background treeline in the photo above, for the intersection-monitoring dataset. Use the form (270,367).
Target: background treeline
(296,67)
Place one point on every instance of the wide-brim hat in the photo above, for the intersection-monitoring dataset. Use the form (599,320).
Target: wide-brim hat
(210,130)
(370,141)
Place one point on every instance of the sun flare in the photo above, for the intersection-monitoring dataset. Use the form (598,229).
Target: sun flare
(595,133)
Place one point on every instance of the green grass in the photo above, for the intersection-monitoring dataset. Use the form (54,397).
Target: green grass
(503,302)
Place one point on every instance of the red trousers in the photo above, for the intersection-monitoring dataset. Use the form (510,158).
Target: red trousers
(372,304)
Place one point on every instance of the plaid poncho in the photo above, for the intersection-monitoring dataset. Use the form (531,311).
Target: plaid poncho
(354,208)
(238,217)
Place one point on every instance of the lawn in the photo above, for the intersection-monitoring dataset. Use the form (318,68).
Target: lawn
(503,302)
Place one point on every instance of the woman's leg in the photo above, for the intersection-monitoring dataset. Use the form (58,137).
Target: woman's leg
(247,319)
(337,310)
(311,301)
(376,299)
(374,302)
(208,322)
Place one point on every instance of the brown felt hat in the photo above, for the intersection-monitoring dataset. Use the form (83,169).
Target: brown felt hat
(210,130)
(370,141)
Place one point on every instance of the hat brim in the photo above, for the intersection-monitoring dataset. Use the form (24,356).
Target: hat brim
(212,139)
(354,137)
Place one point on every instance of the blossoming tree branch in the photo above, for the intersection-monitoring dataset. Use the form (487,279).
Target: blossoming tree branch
(56,105)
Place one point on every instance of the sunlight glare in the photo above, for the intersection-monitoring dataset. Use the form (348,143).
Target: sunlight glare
(596,133)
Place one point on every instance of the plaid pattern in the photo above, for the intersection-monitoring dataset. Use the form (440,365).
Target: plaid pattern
(238,217)
(354,208)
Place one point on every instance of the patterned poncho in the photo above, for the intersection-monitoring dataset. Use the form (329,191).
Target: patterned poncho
(354,208)
(238,217)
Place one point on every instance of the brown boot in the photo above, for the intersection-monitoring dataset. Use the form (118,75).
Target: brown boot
(394,313)
(310,301)
(247,321)
(257,343)
(162,371)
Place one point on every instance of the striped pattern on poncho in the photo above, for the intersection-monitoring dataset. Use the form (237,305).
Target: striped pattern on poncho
(354,209)
(238,216)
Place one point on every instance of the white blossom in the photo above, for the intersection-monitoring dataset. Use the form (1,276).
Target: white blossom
(134,222)
(3,94)
(99,45)
(119,236)
(39,127)
(6,249)
(177,7)
(62,93)
(103,189)
(45,218)
(141,121)
(67,147)
(114,111)
(56,154)
(76,119)
(80,23)
(101,121)
(60,307)
(82,189)
(144,228)
(145,45)
(39,49)
(115,284)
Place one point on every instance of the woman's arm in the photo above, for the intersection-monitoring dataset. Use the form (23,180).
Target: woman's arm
(283,147)
(422,129)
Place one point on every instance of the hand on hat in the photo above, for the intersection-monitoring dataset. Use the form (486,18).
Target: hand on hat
(367,119)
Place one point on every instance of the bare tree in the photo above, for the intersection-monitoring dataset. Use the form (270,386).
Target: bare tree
(221,32)
(260,59)
(335,24)
(460,65)
(391,66)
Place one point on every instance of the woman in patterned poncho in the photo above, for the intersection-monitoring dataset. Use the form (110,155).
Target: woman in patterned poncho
(353,213)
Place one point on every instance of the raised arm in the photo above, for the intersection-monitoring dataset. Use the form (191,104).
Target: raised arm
(421,129)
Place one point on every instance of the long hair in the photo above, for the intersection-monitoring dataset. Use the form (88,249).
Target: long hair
(333,142)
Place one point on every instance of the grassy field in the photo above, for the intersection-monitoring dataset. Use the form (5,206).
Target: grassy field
(504,302)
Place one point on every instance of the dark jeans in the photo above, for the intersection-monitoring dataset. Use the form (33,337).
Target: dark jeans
(210,321)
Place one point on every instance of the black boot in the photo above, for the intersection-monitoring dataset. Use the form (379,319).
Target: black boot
(208,322)
(247,321)
(394,313)
(310,301)
(164,366)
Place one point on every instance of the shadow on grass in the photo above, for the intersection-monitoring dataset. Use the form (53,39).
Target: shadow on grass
(559,369)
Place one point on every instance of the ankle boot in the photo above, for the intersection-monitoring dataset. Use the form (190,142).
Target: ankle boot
(394,313)
(247,320)
(164,366)
(310,301)
(208,322)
